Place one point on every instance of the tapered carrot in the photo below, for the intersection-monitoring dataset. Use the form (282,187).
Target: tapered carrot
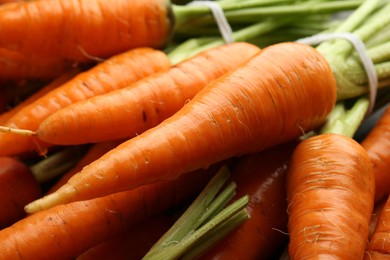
(66,231)
(114,73)
(262,176)
(379,244)
(79,30)
(4,117)
(143,104)
(278,94)
(377,144)
(330,189)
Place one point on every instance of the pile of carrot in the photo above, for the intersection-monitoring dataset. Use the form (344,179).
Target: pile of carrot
(116,120)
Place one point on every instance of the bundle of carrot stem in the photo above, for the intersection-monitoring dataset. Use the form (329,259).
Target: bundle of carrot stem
(282,92)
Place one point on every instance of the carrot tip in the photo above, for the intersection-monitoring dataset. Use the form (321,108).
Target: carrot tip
(11,130)
(62,195)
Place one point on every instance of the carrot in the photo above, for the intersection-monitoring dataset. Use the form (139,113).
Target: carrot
(66,231)
(330,191)
(281,92)
(15,65)
(4,117)
(378,208)
(114,73)
(377,144)
(143,104)
(92,154)
(109,30)
(379,246)
(262,176)
(17,187)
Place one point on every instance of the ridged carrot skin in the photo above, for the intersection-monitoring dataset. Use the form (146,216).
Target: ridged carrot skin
(66,231)
(377,144)
(76,30)
(379,244)
(130,111)
(262,176)
(116,72)
(330,189)
(5,116)
(276,96)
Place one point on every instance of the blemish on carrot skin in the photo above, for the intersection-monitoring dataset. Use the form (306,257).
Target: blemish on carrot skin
(144,117)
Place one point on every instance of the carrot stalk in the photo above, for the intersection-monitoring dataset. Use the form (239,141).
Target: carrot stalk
(57,163)
(229,117)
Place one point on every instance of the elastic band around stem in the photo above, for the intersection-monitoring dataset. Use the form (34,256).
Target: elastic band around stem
(220,18)
(361,51)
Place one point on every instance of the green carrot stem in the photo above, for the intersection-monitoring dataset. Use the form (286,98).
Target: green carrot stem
(252,11)
(216,235)
(346,121)
(57,163)
(189,219)
(176,250)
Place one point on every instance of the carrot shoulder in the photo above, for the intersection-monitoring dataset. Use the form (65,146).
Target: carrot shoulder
(330,189)
(116,72)
(66,231)
(76,30)
(377,144)
(278,94)
(132,110)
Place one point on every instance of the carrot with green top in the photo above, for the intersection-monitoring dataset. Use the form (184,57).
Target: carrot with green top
(277,95)
(115,72)
(131,110)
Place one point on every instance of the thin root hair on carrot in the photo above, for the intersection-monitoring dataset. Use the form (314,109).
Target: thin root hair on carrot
(24,132)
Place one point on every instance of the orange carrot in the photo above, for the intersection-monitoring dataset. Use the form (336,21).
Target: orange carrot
(114,73)
(78,30)
(4,117)
(330,189)
(132,110)
(262,176)
(379,244)
(96,151)
(377,144)
(17,187)
(66,231)
(278,94)
(14,66)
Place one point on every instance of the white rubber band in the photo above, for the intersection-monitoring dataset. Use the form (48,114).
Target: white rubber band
(220,18)
(361,51)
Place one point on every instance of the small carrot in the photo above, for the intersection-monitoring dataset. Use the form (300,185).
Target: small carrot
(377,144)
(275,96)
(114,73)
(379,246)
(143,104)
(262,176)
(66,231)
(330,191)
(4,117)
(109,30)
